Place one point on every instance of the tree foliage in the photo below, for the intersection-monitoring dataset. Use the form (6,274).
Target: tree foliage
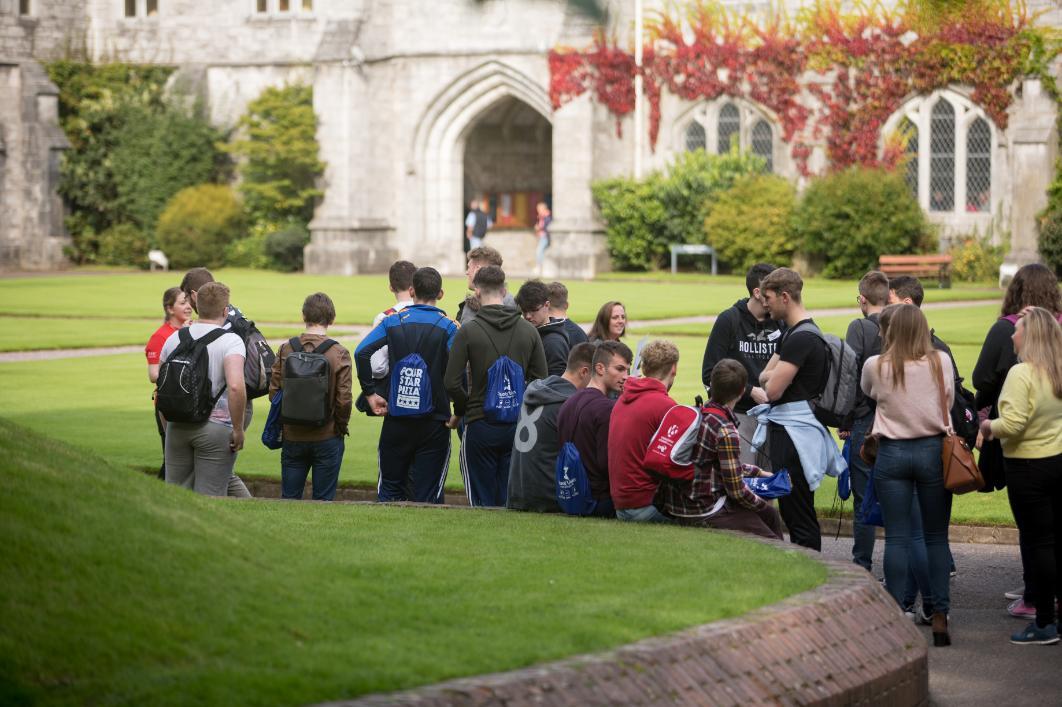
(198,223)
(751,222)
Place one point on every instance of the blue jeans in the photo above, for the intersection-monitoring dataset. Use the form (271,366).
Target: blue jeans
(645,514)
(540,251)
(296,460)
(862,535)
(918,561)
(486,450)
(904,466)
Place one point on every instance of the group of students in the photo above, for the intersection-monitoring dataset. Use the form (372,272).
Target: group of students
(532,396)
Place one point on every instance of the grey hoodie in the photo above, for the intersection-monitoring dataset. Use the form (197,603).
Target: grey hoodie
(537,444)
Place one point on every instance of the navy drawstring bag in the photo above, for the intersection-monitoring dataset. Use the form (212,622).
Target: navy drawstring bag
(770,486)
(844,481)
(273,432)
(871,510)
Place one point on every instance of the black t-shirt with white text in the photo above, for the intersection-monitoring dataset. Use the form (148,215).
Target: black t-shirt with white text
(807,351)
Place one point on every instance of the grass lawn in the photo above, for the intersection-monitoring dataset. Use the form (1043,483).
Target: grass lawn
(120,590)
(277,297)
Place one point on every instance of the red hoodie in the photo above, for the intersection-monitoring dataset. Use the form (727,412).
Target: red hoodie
(635,417)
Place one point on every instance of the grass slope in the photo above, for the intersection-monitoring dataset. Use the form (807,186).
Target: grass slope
(121,590)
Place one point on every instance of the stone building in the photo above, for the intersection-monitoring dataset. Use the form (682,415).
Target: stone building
(423,106)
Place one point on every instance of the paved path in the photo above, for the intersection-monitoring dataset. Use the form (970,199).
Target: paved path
(982,667)
(356,331)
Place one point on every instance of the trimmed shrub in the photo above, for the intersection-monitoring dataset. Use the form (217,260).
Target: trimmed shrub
(849,218)
(1050,227)
(642,218)
(249,252)
(284,248)
(751,222)
(975,259)
(123,244)
(277,150)
(198,224)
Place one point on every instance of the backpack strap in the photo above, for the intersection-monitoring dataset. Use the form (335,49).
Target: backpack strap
(325,345)
(295,343)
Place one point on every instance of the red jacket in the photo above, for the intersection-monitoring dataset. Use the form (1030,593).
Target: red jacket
(635,417)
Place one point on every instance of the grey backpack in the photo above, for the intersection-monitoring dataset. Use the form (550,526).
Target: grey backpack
(834,406)
(307,378)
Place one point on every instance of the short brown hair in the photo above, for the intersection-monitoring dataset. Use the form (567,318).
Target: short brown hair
(658,357)
(195,279)
(489,278)
(581,355)
(607,349)
(400,275)
(531,296)
(728,380)
(907,286)
(318,309)
(874,286)
(784,280)
(485,254)
(213,299)
(558,295)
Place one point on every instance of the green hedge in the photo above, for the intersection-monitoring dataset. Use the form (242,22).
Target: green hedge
(199,223)
(849,218)
(751,222)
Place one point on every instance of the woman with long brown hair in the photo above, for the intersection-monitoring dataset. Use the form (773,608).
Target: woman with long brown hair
(1033,285)
(610,323)
(1030,427)
(909,427)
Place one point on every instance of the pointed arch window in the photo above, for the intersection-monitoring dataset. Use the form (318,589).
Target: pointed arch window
(695,137)
(730,122)
(729,125)
(978,166)
(763,143)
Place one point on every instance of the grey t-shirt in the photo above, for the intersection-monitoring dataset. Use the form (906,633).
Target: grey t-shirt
(218,350)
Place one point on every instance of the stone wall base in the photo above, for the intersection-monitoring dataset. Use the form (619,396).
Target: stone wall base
(349,250)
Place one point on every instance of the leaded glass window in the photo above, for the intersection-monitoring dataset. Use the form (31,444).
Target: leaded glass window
(942,157)
(763,143)
(695,138)
(729,127)
(978,166)
(910,133)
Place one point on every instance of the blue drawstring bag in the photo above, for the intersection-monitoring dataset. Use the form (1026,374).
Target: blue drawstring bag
(273,432)
(770,486)
(572,483)
(505,391)
(870,512)
(844,481)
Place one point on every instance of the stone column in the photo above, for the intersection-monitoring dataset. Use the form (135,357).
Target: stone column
(1034,137)
(578,240)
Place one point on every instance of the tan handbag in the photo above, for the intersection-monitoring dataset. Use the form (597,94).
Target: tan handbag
(961,474)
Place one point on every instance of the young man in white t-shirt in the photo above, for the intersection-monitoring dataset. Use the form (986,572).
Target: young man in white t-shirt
(202,455)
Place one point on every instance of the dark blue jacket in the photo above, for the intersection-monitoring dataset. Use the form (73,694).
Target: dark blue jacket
(419,328)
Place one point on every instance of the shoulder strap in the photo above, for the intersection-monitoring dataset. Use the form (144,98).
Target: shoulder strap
(325,345)
(295,343)
(184,337)
(943,400)
(489,340)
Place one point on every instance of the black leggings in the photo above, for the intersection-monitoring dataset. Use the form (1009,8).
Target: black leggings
(1035,492)
(798,508)
(162,434)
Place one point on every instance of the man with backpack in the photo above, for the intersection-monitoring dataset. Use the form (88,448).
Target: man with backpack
(794,379)
(312,374)
(584,418)
(635,418)
(414,447)
(864,337)
(558,312)
(532,473)
(259,360)
(717,496)
(477,223)
(400,282)
(502,352)
(533,300)
(202,394)
(747,334)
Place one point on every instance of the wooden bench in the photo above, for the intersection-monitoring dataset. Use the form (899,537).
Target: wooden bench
(938,266)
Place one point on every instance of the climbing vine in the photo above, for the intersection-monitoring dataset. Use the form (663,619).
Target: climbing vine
(831,74)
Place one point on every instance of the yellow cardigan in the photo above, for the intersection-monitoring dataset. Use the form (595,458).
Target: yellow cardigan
(1030,416)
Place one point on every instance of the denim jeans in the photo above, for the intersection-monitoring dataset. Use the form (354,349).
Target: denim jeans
(296,460)
(540,251)
(862,535)
(645,514)
(918,562)
(904,466)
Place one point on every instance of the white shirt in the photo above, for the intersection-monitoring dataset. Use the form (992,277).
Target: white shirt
(226,345)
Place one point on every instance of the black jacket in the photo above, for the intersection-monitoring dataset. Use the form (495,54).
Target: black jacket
(996,359)
(575,333)
(556,346)
(864,336)
(738,335)
(496,331)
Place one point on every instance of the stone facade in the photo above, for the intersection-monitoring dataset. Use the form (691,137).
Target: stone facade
(421,105)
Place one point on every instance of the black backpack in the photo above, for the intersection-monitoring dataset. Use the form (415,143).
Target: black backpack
(307,379)
(184,387)
(258,365)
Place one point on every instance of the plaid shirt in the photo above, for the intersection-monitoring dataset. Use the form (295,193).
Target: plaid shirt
(718,470)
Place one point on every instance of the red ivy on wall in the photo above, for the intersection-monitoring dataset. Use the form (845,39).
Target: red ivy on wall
(837,77)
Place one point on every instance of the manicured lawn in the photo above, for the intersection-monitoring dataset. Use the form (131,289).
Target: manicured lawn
(120,590)
(277,297)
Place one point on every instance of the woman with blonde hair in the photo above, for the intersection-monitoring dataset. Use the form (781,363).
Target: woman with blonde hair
(1030,428)
(908,381)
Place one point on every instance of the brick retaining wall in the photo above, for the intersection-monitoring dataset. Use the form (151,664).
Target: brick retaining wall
(843,643)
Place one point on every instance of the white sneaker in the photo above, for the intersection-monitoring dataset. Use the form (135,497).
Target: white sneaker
(1014,593)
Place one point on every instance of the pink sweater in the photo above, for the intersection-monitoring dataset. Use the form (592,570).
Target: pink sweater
(914,410)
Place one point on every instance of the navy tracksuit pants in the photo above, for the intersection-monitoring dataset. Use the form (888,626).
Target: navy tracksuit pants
(414,456)
(486,450)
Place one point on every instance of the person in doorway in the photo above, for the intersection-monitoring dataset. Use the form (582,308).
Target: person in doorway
(177,314)
(610,323)
(477,223)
